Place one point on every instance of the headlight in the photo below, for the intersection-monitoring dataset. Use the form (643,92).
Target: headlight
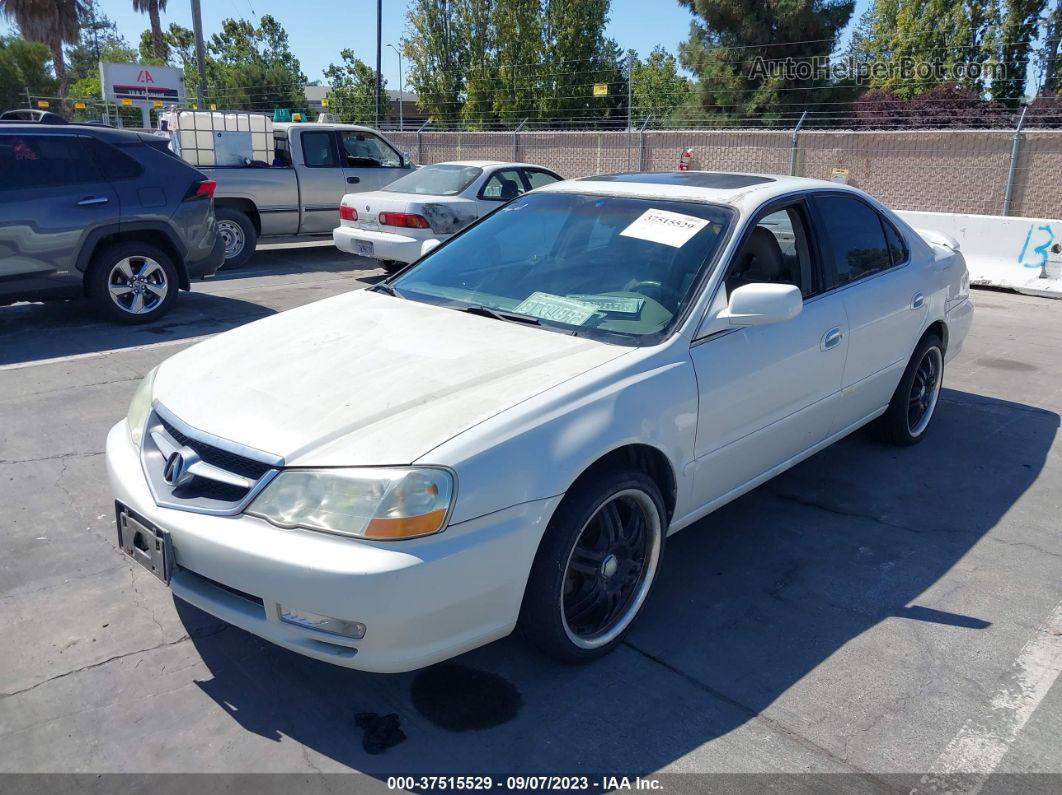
(139,408)
(366,503)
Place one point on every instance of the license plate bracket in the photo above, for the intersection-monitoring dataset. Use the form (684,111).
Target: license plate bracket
(364,247)
(148,545)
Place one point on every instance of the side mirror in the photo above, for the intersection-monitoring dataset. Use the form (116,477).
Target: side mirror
(763,304)
(407,160)
(427,246)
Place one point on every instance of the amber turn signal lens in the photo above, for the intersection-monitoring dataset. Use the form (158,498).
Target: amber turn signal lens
(403,527)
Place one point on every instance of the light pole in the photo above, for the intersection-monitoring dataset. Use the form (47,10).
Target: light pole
(401,88)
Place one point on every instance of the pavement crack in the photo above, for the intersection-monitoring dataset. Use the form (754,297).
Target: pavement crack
(807,503)
(58,457)
(109,660)
(752,714)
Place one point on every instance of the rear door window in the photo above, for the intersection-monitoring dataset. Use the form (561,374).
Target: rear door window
(318,149)
(44,161)
(112,161)
(503,186)
(536,179)
(853,240)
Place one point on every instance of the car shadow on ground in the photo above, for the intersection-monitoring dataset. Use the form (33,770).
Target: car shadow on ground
(750,601)
(29,332)
(304,259)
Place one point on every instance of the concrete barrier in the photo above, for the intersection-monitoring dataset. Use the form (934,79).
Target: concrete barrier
(1022,254)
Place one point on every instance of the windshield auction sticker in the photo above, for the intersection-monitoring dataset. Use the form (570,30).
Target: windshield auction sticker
(556,308)
(662,226)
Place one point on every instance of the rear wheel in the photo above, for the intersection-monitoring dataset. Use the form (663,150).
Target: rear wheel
(239,235)
(914,402)
(595,566)
(133,282)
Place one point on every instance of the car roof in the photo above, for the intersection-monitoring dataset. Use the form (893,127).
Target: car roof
(740,190)
(488,164)
(111,134)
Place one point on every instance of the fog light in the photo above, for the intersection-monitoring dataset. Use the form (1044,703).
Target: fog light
(336,626)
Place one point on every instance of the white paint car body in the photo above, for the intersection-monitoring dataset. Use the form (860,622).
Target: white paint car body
(367,235)
(516,414)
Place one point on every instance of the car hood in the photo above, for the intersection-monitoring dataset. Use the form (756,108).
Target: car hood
(365,378)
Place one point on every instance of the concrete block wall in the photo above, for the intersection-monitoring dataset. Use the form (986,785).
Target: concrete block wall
(955,171)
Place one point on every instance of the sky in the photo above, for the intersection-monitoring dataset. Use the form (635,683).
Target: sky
(319,29)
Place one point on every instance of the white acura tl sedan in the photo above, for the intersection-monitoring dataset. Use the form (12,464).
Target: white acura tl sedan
(404,220)
(505,434)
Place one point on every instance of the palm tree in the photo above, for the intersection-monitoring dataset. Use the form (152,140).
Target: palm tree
(53,22)
(152,8)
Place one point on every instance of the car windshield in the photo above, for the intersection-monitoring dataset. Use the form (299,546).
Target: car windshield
(618,269)
(437,180)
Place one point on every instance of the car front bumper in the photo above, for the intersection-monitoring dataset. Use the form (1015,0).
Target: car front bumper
(422,600)
(386,245)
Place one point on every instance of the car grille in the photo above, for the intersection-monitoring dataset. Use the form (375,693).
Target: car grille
(224,477)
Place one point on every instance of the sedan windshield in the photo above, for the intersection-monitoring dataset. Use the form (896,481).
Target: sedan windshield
(444,179)
(596,266)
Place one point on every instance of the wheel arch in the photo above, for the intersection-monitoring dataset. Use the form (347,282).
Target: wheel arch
(101,238)
(644,457)
(245,206)
(940,328)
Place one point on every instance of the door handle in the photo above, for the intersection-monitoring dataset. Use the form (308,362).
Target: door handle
(917,301)
(353,180)
(832,338)
(89,201)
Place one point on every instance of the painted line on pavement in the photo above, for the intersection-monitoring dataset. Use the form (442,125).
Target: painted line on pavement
(100,354)
(976,751)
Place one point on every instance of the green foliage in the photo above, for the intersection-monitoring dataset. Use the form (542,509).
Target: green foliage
(353,94)
(489,62)
(253,68)
(729,35)
(1018,28)
(657,88)
(23,64)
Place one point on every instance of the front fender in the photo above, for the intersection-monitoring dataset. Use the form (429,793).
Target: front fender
(538,448)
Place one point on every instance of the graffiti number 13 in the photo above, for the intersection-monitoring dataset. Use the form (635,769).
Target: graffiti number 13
(1041,260)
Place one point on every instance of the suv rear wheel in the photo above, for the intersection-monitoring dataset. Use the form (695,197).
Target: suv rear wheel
(132,282)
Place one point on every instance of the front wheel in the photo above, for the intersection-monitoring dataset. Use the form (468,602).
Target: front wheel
(595,566)
(915,400)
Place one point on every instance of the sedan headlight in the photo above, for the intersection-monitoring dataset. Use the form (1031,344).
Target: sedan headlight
(365,503)
(139,408)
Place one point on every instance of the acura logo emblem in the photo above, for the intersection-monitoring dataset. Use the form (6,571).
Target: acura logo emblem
(178,465)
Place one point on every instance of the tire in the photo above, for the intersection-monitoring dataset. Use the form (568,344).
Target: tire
(132,282)
(914,402)
(239,234)
(585,591)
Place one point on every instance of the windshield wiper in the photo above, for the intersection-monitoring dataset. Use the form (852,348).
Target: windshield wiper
(512,317)
(386,289)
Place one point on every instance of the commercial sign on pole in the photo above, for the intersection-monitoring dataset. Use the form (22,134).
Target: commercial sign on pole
(600,89)
(142,85)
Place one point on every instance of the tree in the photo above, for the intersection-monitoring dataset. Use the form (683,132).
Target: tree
(23,66)
(1016,32)
(657,88)
(1050,63)
(51,22)
(518,39)
(253,68)
(99,40)
(152,9)
(945,105)
(353,89)
(475,19)
(578,56)
(734,46)
(915,45)
(435,50)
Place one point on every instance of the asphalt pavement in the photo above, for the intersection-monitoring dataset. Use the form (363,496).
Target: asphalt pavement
(874,611)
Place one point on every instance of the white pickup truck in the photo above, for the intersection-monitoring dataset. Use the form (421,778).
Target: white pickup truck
(314,166)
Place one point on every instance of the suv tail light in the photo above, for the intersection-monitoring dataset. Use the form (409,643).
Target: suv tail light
(204,189)
(347,213)
(407,220)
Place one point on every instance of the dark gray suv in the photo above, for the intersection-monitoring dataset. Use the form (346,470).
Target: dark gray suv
(112,214)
